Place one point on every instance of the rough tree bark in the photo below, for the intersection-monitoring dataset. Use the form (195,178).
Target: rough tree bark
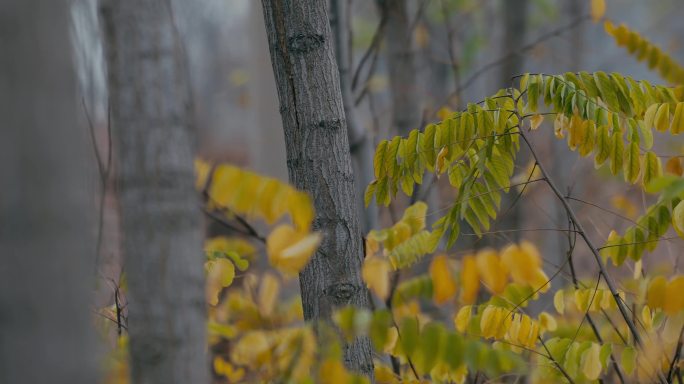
(318,159)
(47,202)
(406,106)
(360,143)
(162,237)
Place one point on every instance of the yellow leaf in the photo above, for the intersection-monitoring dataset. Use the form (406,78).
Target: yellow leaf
(624,206)
(301,210)
(647,317)
(441,158)
(202,169)
(535,121)
(224,368)
(470,280)
(523,336)
(655,294)
(220,274)
(252,350)
(223,187)
(678,219)
(444,286)
(547,322)
(524,263)
(444,113)
(268,294)
(591,362)
(463,318)
(674,166)
(674,300)
(582,298)
(559,125)
(489,321)
(559,301)
(288,250)
(598,9)
(375,274)
(493,271)
(333,372)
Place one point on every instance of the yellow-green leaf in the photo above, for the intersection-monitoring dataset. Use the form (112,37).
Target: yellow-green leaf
(632,163)
(678,219)
(220,274)
(559,301)
(662,118)
(616,153)
(677,126)
(462,318)
(652,168)
(591,362)
(628,359)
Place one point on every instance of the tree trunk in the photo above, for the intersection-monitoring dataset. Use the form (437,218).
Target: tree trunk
(361,146)
(513,37)
(406,109)
(47,202)
(318,159)
(162,237)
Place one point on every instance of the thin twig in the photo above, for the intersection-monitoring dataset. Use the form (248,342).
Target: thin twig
(578,225)
(550,357)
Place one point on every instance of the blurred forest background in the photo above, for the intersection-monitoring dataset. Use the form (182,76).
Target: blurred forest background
(406,65)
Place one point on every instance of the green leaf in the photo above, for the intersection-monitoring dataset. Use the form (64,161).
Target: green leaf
(427,147)
(628,359)
(452,353)
(408,335)
(616,153)
(604,355)
(429,347)
(607,89)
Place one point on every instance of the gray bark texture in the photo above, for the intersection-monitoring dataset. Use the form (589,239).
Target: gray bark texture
(360,143)
(154,143)
(47,202)
(318,159)
(406,109)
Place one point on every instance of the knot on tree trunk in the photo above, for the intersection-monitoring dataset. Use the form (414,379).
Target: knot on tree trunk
(305,43)
(341,293)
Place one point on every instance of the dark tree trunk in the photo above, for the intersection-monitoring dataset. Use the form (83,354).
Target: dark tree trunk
(162,237)
(47,202)
(318,158)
